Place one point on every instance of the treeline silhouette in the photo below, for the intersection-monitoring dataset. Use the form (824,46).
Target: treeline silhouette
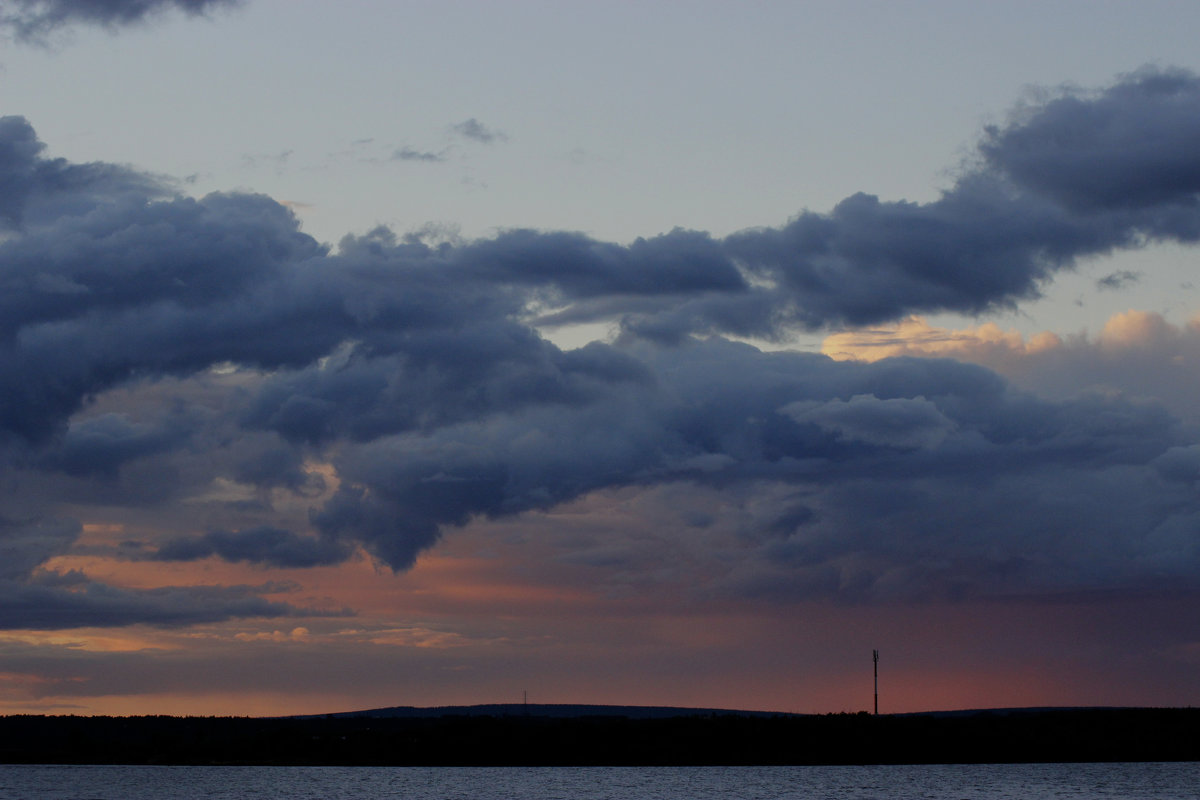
(1052,735)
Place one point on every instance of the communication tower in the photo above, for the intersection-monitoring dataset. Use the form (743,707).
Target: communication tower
(875,658)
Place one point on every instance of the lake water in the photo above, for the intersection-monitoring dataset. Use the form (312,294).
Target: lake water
(938,782)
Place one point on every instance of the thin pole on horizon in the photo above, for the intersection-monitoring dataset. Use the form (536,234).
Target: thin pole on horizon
(875,658)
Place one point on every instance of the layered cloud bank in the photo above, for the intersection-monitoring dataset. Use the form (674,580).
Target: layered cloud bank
(305,404)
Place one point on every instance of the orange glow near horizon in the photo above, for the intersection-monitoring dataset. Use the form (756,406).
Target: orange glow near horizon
(736,660)
(492,612)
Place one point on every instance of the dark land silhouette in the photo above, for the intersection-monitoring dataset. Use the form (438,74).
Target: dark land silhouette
(613,735)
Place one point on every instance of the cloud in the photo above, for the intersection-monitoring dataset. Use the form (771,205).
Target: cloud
(990,241)
(967,478)
(100,445)
(306,403)
(34,598)
(896,422)
(32,20)
(409,154)
(1137,354)
(38,606)
(1125,148)
(1118,280)
(985,344)
(27,545)
(476,131)
(34,188)
(262,545)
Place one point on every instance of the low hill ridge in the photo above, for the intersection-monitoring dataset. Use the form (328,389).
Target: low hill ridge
(544,710)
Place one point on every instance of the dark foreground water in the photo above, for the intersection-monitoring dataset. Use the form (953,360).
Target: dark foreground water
(939,782)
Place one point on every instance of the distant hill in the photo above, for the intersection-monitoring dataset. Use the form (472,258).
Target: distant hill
(543,711)
(1005,712)
(584,711)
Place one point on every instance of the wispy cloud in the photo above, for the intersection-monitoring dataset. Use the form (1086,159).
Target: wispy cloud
(476,131)
(1115,281)
(410,154)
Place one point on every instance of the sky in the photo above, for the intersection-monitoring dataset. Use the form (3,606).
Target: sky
(368,354)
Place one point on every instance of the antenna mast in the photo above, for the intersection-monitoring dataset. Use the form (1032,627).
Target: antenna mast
(875,658)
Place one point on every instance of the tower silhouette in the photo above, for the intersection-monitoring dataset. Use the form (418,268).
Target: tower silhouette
(875,658)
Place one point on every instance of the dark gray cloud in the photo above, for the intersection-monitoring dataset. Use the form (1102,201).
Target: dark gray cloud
(993,239)
(414,373)
(41,189)
(1118,280)
(410,154)
(918,477)
(476,131)
(34,599)
(31,20)
(25,545)
(40,605)
(1127,147)
(262,545)
(1078,175)
(100,445)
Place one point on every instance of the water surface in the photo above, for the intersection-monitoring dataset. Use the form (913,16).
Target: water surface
(1140,781)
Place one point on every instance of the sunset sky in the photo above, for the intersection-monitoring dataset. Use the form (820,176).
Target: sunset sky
(373,353)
